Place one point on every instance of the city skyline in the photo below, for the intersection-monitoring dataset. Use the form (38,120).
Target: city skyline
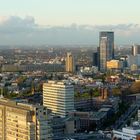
(69,70)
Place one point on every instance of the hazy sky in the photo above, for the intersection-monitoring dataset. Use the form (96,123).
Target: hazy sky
(36,22)
(66,12)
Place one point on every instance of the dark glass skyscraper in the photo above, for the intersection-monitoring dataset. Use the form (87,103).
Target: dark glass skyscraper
(95,59)
(106,48)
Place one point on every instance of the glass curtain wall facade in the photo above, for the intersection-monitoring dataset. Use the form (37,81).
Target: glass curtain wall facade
(106,48)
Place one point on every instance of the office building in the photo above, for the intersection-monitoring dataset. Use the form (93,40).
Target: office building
(70,67)
(62,126)
(20,121)
(58,97)
(114,64)
(95,59)
(106,49)
(135,49)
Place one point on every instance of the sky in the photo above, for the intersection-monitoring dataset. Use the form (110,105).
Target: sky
(67,18)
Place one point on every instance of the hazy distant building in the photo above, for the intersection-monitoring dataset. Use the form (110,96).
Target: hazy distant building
(106,48)
(20,121)
(135,50)
(133,60)
(70,67)
(58,97)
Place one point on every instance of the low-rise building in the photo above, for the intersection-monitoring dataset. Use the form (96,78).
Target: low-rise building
(128,133)
(114,64)
(62,126)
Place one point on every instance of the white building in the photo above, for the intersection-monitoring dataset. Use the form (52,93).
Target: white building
(59,97)
(128,133)
(138,101)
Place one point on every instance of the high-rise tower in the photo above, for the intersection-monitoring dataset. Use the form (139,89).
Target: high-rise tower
(70,63)
(135,50)
(106,48)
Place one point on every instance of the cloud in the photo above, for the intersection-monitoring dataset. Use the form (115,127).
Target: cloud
(24,31)
(17,21)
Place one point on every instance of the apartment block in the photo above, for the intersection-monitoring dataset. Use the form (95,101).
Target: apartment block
(20,121)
